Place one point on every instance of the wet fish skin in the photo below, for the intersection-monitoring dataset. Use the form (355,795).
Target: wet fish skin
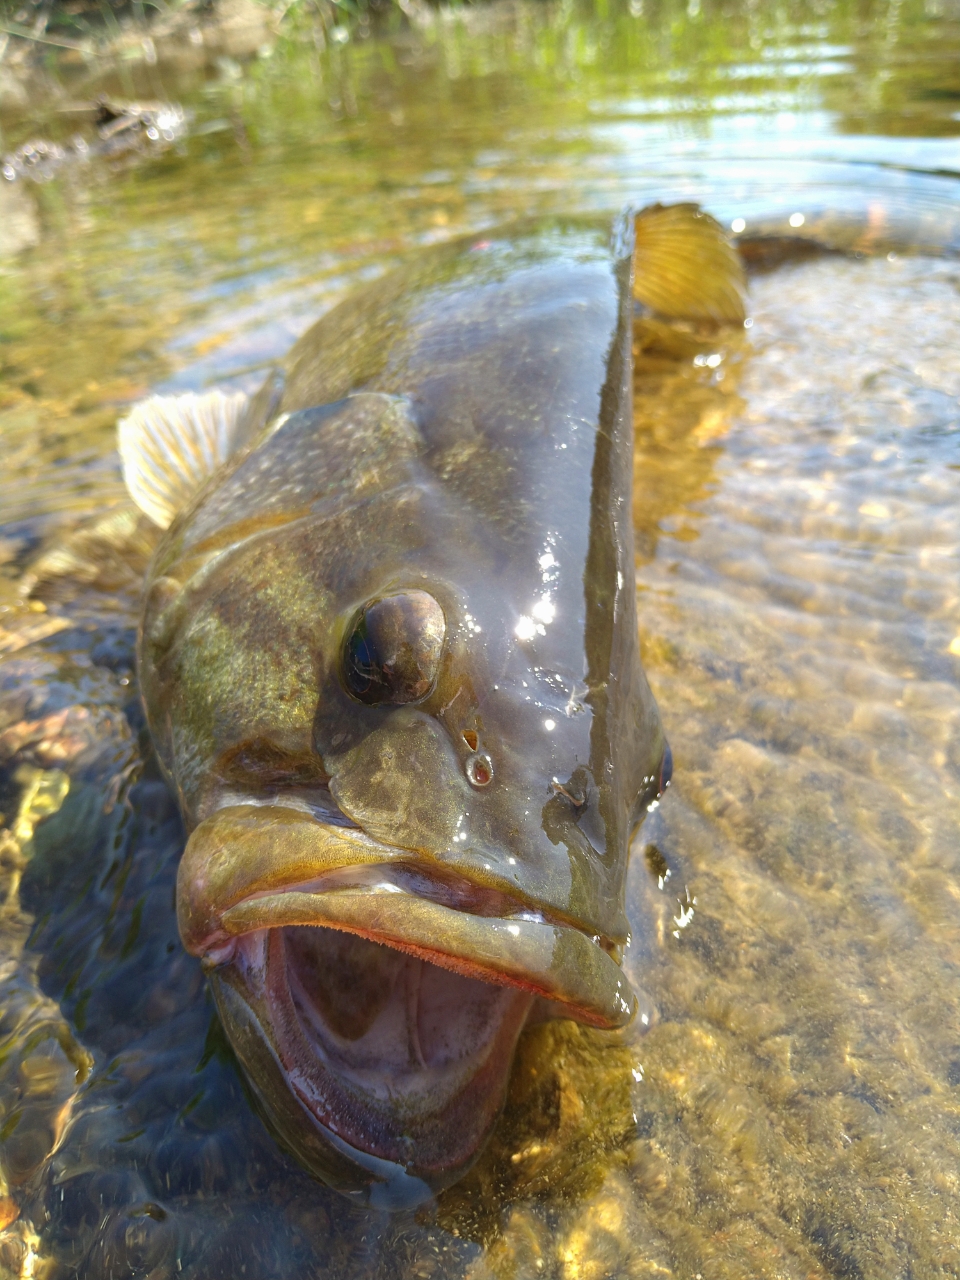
(244,617)
(461,430)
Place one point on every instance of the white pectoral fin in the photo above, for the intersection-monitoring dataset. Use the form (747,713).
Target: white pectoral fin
(170,444)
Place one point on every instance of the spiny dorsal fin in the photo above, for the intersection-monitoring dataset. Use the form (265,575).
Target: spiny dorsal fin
(685,268)
(170,444)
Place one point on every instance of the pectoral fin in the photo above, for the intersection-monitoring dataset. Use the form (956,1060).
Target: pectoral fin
(170,444)
(685,268)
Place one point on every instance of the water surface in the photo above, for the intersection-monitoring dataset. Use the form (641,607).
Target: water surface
(792,1108)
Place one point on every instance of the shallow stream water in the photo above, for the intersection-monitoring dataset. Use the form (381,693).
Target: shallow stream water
(792,1108)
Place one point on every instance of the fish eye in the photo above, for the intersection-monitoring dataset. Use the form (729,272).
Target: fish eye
(666,770)
(393,648)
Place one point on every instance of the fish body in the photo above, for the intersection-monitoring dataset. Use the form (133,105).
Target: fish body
(390,664)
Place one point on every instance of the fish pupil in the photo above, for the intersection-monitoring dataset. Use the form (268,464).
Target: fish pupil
(364,672)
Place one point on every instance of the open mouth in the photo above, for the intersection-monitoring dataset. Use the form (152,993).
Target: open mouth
(249,868)
(402,1063)
(375,995)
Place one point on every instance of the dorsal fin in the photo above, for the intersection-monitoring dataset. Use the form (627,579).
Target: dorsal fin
(685,268)
(170,444)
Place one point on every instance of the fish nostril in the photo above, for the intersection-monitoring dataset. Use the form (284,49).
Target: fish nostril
(471,739)
(479,769)
(577,801)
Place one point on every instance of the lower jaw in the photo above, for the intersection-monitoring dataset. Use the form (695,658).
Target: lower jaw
(351,1142)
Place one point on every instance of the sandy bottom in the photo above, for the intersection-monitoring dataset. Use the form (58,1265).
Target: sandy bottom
(793,1108)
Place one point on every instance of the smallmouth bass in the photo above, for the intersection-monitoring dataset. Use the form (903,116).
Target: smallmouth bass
(389,660)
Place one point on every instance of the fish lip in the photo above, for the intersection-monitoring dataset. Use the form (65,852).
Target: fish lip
(548,960)
(549,957)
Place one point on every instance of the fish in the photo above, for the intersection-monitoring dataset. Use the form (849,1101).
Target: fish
(388,657)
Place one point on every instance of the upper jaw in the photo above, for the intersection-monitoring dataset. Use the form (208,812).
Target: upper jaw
(249,867)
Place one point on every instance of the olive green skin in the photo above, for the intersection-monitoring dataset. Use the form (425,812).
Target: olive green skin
(491,468)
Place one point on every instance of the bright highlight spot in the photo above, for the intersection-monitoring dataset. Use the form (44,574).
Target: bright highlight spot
(549,725)
(738,225)
(525,629)
(797,219)
(954,647)
(875,509)
(544,610)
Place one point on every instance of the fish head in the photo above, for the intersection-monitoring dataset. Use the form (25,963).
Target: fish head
(395,682)
(493,739)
